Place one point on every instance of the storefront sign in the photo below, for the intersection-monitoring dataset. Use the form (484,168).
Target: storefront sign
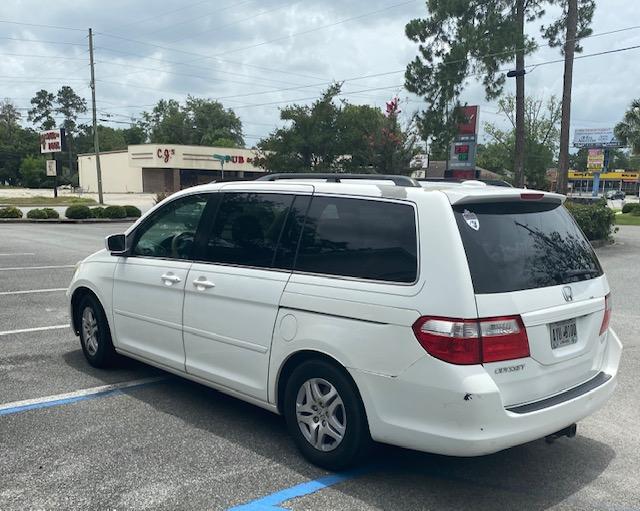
(607,176)
(52,141)
(165,154)
(232,158)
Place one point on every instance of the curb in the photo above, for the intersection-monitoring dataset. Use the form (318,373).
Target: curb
(67,220)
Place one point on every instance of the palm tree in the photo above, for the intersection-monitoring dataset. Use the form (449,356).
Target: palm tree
(628,131)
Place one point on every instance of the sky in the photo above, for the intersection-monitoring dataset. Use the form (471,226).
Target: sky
(256,56)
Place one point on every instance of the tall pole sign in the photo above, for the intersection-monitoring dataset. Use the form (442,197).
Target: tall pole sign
(462,155)
(52,142)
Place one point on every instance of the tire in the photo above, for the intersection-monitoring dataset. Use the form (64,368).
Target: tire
(95,336)
(317,435)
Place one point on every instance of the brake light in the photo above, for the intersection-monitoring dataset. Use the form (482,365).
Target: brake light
(607,314)
(473,341)
(531,196)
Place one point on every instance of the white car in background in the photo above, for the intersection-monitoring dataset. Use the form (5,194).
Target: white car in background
(458,319)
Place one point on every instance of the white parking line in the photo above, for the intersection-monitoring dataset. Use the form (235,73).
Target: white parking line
(78,395)
(36,329)
(17,254)
(28,291)
(39,267)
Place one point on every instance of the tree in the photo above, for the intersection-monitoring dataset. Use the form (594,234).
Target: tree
(331,135)
(198,122)
(15,143)
(32,171)
(69,105)
(42,112)
(541,141)
(460,39)
(628,130)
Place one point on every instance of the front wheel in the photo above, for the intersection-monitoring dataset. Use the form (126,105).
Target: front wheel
(95,336)
(325,415)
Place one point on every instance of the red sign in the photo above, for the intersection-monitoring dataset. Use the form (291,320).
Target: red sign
(470,124)
(52,141)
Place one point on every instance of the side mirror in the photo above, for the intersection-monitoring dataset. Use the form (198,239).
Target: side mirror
(117,244)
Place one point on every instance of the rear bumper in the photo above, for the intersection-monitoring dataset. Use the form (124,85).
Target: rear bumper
(426,408)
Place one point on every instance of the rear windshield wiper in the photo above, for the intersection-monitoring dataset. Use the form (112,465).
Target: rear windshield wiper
(578,273)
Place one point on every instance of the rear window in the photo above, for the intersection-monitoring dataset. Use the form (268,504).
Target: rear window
(519,245)
(367,239)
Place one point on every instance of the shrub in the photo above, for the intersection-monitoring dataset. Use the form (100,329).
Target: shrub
(160,196)
(596,220)
(51,213)
(10,212)
(133,212)
(635,212)
(114,212)
(37,213)
(630,207)
(97,212)
(78,212)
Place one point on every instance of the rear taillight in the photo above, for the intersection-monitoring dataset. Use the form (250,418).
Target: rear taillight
(607,314)
(473,341)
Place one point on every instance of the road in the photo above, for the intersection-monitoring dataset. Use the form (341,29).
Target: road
(172,444)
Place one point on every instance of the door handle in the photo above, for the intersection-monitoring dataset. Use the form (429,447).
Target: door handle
(202,283)
(170,279)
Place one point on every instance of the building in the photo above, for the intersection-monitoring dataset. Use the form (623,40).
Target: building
(155,168)
(579,182)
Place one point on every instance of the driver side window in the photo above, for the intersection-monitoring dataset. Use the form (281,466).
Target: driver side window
(171,231)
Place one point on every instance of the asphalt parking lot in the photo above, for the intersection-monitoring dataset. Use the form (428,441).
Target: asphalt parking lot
(142,439)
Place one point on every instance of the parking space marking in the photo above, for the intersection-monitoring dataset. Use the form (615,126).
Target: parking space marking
(39,267)
(28,291)
(272,502)
(79,395)
(35,329)
(17,254)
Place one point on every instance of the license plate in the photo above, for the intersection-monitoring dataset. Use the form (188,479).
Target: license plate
(563,333)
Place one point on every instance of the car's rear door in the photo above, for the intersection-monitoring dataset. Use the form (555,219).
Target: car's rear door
(528,258)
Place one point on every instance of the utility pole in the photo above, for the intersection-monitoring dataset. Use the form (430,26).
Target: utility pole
(520,72)
(96,144)
(569,50)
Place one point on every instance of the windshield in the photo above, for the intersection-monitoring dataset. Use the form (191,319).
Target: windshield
(519,245)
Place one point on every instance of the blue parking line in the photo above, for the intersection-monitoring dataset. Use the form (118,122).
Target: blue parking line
(272,502)
(58,402)
(116,390)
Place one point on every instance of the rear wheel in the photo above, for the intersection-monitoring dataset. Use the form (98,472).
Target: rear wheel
(325,415)
(95,336)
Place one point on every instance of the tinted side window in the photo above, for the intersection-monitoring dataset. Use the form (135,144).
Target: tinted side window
(247,228)
(368,239)
(171,230)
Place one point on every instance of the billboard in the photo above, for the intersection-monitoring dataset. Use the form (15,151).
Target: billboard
(52,141)
(595,137)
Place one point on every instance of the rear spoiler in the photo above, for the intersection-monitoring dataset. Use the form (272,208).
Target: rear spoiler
(506,195)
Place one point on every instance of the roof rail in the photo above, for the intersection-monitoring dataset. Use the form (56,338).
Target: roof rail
(336,178)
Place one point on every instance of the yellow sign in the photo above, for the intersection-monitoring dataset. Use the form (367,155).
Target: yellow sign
(611,176)
(595,159)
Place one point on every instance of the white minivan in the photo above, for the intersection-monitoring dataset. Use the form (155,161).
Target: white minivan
(456,319)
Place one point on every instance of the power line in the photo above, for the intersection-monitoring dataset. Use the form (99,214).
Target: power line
(11,22)
(41,41)
(316,29)
(162,14)
(217,29)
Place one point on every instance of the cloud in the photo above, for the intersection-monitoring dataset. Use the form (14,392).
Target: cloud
(245,48)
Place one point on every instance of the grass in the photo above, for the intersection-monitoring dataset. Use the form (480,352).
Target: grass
(45,201)
(627,219)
